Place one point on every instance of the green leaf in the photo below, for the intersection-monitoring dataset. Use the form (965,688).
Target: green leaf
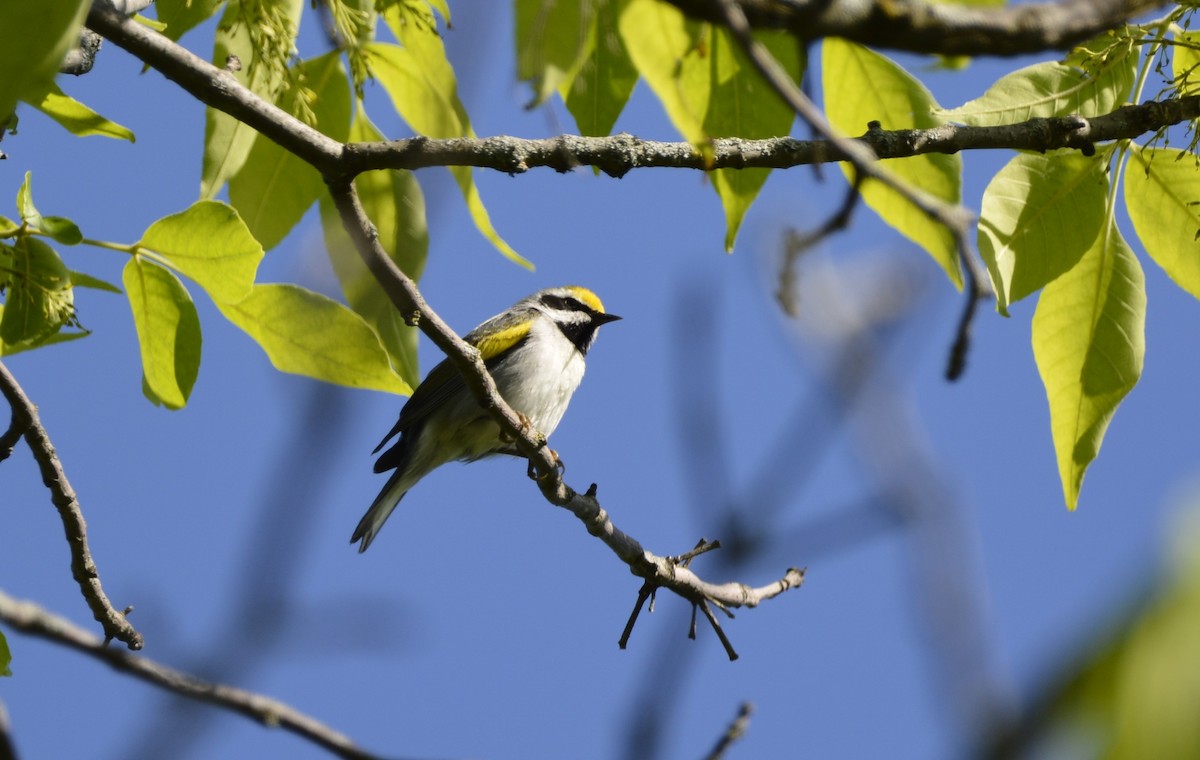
(1045,90)
(306,333)
(74,116)
(168,330)
(275,187)
(227,141)
(662,43)
(62,336)
(5,657)
(59,228)
(1162,191)
(1089,343)
(40,298)
(181,16)
(552,41)
(34,39)
(29,213)
(8,226)
(85,280)
(1185,62)
(1039,215)
(743,105)
(862,86)
(210,244)
(421,85)
(393,201)
(597,94)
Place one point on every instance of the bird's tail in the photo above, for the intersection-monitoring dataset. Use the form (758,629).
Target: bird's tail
(380,509)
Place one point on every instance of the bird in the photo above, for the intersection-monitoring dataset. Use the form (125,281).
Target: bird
(534,351)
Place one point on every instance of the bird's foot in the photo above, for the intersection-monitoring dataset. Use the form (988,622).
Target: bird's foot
(559,465)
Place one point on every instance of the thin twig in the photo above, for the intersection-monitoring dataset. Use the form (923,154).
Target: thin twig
(736,730)
(28,618)
(716,626)
(83,567)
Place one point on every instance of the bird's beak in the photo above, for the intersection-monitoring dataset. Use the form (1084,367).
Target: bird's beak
(602,319)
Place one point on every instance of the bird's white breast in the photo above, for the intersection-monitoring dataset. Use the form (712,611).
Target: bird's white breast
(546,389)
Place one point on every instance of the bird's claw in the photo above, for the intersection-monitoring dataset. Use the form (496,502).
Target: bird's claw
(559,466)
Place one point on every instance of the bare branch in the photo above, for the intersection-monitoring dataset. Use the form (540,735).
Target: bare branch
(7,750)
(925,27)
(615,155)
(29,618)
(83,567)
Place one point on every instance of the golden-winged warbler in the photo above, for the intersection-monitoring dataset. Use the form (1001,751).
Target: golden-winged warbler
(535,352)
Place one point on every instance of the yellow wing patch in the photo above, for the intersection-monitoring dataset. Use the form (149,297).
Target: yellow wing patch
(587,296)
(500,341)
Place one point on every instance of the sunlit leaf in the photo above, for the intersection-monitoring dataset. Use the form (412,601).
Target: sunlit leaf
(1048,89)
(306,333)
(85,280)
(862,86)
(597,94)
(227,141)
(1039,215)
(743,105)
(34,39)
(1162,193)
(168,330)
(1089,343)
(393,201)
(663,45)
(421,85)
(180,16)
(275,187)
(74,116)
(211,245)
(552,41)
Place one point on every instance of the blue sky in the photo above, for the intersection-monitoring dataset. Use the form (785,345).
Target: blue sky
(483,622)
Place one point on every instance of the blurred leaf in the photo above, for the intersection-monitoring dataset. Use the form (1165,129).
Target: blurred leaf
(1039,215)
(1089,343)
(168,330)
(275,187)
(743,105)
(553,38)
(8,226)
(40,298)
(597,94)
(1162,193)
(74,116)
(1138,692)
(665,47)
(85,280)
(394,202)
(1045,90)
(29,213)
(422,88)
(862,86)
(181,16)
(211,245)
(34,39)
(5,656)
(227,141)
(306,333)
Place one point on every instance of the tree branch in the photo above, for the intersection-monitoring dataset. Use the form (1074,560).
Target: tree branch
(29,618)
(615,155)
(83,567)
(932,28)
